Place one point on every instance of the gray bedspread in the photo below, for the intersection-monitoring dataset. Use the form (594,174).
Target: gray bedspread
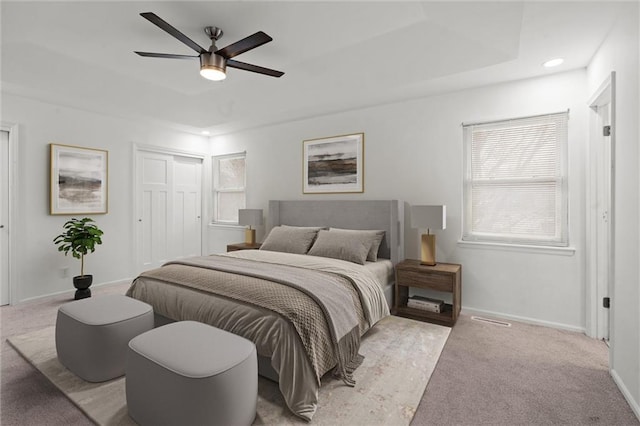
(300,347)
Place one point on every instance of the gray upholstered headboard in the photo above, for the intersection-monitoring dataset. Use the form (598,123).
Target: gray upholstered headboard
(386,215)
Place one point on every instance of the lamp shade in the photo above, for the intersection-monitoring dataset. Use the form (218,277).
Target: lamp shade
(250,217)
(429,217)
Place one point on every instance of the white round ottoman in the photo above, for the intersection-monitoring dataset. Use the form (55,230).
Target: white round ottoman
(92,334)
(190,373)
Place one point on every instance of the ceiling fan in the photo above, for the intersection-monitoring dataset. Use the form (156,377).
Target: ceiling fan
(213,62)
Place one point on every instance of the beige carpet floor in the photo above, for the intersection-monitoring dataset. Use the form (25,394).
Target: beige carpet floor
(522,375)
(400,356)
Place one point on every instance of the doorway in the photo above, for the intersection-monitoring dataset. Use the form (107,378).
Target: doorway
(168,207)
(601,229)
(4,218)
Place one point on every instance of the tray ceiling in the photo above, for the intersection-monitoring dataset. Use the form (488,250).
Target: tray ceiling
(336,55)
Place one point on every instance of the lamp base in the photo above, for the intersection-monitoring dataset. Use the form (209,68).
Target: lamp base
(250,236)
(428,250)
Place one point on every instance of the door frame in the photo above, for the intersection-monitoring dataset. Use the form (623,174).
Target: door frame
(137,150)
(12,128)
(594,310)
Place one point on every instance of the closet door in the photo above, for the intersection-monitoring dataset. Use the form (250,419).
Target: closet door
(169,208)
(187,207)
(155,213)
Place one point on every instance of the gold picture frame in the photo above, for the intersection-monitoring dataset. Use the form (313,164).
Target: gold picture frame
(79,180)
(333,165)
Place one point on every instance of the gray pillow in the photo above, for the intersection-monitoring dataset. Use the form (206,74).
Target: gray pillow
(370,237)
(290,239)
(340,245)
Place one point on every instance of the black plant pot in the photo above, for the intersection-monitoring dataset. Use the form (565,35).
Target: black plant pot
(82,283)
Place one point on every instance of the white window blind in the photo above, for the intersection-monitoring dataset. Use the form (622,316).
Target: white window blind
(516,181)
(229,179)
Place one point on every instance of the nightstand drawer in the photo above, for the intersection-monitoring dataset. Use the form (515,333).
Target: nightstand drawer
(433,281)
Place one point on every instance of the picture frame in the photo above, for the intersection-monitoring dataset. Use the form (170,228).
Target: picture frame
(333,165)
(79,180)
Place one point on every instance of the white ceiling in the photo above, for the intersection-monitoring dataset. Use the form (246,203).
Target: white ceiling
(336,55)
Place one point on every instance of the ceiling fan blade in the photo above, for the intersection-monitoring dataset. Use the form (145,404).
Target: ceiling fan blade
(155,19)
(247,43)
(166,55)
(253,68)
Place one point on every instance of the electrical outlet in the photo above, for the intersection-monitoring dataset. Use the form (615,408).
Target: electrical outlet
(64,272)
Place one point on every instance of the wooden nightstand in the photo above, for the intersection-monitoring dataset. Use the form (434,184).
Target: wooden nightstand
(243,246)
(446,277)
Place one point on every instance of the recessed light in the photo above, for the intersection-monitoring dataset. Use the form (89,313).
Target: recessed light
(206,132)
(553,63)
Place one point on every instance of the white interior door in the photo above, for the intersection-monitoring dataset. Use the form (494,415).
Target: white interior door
(4,217)
(154,213)
(187,207)
(169,208)
(600,268)
(603,228)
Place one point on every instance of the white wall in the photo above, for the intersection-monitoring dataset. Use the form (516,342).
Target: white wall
(413,152)
(38,263)
(619,53)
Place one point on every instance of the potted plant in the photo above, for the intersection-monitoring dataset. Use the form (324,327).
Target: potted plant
(80,238)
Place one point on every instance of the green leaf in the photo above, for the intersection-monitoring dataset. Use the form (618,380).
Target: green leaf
(79,237)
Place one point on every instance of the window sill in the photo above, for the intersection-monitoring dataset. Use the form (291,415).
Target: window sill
(226,225)
(560,251)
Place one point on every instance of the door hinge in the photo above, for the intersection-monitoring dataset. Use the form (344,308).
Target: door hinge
(606,131)
(606,302)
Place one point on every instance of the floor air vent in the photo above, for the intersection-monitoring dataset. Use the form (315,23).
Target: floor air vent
(491,321)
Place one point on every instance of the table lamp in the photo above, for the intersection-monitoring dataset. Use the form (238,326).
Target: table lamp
(250,217)
(428,217)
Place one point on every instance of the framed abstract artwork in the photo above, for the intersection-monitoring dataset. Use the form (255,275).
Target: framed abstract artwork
(333,165)
(79,180)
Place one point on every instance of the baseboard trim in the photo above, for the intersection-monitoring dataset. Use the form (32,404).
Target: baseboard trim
(527,320)
(625,392)
(71,291)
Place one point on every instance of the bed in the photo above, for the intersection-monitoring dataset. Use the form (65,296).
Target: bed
(306,313)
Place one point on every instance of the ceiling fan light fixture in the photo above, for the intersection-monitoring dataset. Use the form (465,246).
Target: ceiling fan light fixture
(212,74)
(212,67)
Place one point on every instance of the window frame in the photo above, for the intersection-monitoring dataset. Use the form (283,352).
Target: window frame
(216,190)
(561,237)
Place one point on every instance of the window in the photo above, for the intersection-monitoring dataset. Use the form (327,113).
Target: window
(515,183)
(228,187)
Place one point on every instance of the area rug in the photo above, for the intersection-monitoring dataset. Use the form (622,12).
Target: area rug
(400,355)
